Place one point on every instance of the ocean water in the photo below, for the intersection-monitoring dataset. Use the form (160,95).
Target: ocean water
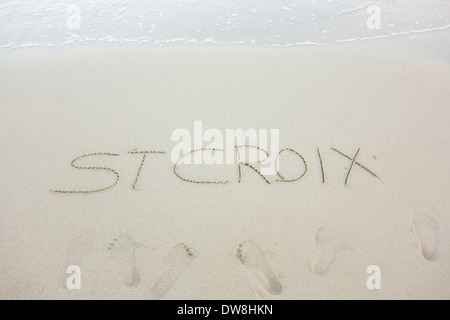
(51,23)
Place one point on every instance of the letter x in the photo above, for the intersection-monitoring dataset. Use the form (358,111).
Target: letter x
(353,163)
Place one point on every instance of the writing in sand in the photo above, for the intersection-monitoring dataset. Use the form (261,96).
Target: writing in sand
(240,164)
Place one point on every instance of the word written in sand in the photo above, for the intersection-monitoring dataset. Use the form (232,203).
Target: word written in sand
(353,162)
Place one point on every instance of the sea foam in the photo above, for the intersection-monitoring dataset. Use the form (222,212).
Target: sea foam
(46,23)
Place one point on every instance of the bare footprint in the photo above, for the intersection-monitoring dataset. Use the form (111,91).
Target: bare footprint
(254,259)
(122,252)
(328,245)
(427,232)
(177,261)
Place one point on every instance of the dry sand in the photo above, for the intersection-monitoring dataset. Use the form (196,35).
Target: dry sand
(171,239)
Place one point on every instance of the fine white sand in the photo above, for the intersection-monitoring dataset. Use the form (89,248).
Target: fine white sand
(172,239)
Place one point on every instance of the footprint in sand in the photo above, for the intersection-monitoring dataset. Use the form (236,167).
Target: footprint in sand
(427,232)
(178,261)
(254,259)
(122,251)
(328,245)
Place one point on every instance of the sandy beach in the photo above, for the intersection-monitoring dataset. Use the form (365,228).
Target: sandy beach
(172,239)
